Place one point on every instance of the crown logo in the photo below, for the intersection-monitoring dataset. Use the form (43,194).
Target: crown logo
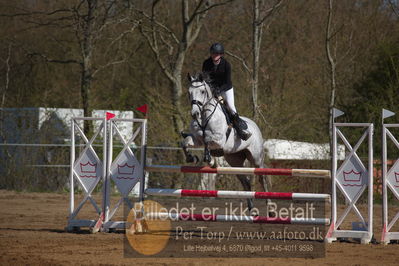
(88,170)
(88,167)
(352,176)
(397,177)
(125,169)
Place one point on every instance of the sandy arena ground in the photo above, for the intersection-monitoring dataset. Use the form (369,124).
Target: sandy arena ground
(32,232)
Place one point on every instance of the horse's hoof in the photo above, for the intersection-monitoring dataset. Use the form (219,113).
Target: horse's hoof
(207,158)
(192,159)
(189,158)
(212,163)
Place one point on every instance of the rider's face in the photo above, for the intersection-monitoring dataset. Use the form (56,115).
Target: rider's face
(216,57)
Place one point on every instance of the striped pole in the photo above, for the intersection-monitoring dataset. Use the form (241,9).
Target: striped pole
(239,170)
(234,218)
(236,194)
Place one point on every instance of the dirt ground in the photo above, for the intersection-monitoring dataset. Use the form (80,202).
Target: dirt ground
(32,232)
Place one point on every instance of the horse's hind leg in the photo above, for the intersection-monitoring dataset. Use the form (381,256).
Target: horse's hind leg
(237,160)
(264,181)
(246,184)
(257,162)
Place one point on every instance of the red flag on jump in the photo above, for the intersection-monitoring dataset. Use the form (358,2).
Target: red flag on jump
(109,115)
(143,108)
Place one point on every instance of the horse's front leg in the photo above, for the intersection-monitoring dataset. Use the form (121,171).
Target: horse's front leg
(207,154)
(208,159)
(187,142)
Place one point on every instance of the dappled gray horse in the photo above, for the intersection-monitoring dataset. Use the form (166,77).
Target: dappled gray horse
(209,129)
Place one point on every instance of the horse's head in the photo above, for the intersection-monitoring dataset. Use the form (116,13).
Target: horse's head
(199,92)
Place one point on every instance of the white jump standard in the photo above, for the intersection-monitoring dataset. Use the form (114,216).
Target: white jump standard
(353,179)
(88,170)
(390,181)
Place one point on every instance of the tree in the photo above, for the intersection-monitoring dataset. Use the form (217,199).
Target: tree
(332,64)
(394,6)
(378,88)
(80,29)
(170,44)
(263,13)
(7,77)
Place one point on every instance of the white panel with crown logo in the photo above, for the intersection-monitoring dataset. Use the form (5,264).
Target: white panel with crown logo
(125,171)
(89,169)
(352,177)
(393,177)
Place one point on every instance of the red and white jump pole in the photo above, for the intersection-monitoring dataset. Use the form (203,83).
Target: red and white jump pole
(239,170)
(234,218)
(237,194)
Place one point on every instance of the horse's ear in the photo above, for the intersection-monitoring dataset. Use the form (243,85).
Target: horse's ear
(190,78)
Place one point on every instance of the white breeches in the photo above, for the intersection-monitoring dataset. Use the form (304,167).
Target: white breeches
(228,96)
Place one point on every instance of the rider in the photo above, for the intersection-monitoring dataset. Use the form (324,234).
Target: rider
(219,70)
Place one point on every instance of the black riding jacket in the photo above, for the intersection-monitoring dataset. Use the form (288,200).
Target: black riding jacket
(220,74)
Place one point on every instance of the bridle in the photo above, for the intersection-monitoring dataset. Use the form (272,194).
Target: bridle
(201,106)
(207,100)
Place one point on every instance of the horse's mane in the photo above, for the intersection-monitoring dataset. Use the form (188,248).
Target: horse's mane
(202,76)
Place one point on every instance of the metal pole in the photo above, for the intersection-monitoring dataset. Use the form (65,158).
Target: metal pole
(370,195)
(333,177)
(105,172)
(72,191)
(384,183)
(143,160)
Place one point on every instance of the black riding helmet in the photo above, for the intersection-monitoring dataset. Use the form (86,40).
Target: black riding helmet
(217,48)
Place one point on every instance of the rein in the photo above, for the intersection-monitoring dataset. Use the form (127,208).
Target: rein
(201,107)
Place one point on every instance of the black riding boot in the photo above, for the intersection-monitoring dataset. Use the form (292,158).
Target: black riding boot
(241,127)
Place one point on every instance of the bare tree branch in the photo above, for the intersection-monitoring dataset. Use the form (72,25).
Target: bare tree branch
(210,6)
(349,48)
(7,81)
(199,18)
(50,60)
(122,35)
(162,26)
(157,54)
(243,62)
(110,64)
(188,20)
(393,7)
(29,14)
(270,12)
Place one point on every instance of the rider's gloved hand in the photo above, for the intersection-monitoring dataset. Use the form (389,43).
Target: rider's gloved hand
(217,92)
